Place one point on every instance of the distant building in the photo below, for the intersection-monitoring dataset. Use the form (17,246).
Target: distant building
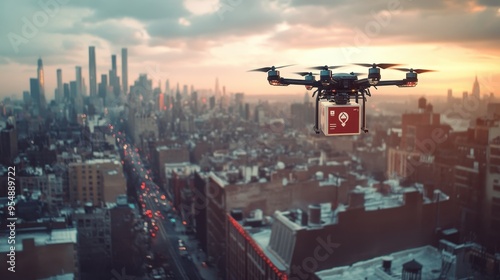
(79,80)
(59,96)
(302,115)
(422,134)
(42,102)
(372,225)
(49,185)
(124,70)
(94,238)
(41,253)
(128,243)
(35,95)
(145,128)
(167,154)
(445,261)
(477,182)
(92,72)
(8,144)
(248,256)
(476,90)
(227,190)
(97,181)
(110,237)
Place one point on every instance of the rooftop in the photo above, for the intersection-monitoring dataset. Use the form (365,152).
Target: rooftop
(68,276)
(428,256)
(262,236)
(43,237)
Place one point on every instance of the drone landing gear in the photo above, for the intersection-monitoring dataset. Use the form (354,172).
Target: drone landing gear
(316,123)
(363,110)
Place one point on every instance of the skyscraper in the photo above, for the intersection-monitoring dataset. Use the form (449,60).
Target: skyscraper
(79,88)
(35,92)
(92,72)
(66,92)
(41,82)
(124,70)
(475,89)
(167,87)
(26,98)
(216,87)
(113,62)
(73,91)
(114,81)
(59,90)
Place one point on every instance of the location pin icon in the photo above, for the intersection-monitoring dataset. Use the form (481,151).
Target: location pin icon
(343,118)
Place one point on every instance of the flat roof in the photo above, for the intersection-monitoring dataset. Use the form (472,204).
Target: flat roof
(67,276)
(42,238)
(262,238)
(429,257)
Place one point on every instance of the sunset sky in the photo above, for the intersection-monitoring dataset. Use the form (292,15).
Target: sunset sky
(195,41)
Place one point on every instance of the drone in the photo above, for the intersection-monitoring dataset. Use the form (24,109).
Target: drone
(335,113)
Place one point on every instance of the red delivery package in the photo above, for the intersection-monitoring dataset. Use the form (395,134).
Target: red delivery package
(337,120)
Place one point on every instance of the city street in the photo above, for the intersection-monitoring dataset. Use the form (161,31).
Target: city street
(166,242)
(164,226)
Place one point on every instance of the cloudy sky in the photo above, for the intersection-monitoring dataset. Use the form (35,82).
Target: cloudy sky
(194,41)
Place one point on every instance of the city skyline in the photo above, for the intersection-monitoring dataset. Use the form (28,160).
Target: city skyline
(195,42)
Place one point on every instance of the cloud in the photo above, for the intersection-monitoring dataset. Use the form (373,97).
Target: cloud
(375,23)
(144,10)
(240,20)
(182,35)
(121,32)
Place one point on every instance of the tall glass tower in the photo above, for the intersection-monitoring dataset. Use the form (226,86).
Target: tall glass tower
(41,84)
(92,72)
(79,87)
(475,89)
(59,90)
(124,70)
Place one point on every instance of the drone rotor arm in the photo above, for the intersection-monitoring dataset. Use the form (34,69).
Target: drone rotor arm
(300,82)
(391,83)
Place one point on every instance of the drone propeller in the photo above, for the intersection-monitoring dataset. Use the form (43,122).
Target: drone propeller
(326,67)
(379,65)
(306,73)
(418,71)
(267,69)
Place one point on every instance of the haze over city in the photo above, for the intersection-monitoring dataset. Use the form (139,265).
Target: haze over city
(138,140)
(194,41)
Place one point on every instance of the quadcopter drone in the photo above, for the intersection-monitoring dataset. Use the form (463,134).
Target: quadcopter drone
(335,114)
